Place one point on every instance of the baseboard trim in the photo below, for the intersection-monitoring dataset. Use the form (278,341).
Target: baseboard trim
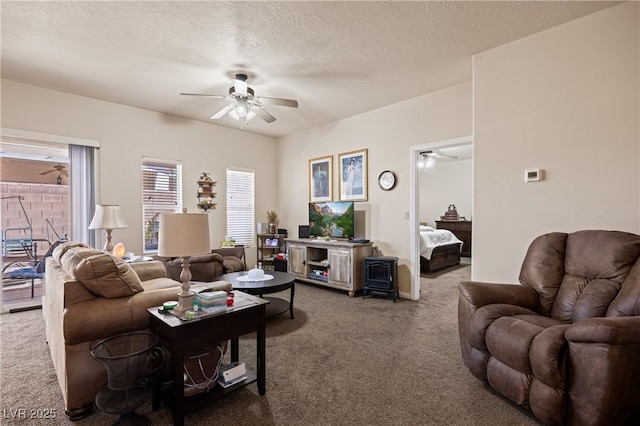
(24,308)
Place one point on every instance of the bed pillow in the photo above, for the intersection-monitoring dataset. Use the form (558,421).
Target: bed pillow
(425,228)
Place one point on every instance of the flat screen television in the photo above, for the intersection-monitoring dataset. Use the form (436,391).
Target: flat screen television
(271,242)
(332,219)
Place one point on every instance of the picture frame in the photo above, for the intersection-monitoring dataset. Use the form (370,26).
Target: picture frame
(321,179)
(353,175)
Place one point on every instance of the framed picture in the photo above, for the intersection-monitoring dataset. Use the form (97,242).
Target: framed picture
(353,175)
(321,179)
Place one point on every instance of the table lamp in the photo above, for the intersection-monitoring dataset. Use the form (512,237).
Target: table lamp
(183,235)
(108,217)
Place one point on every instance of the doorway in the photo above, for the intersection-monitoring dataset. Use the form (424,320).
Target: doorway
(443,152)
(35,214)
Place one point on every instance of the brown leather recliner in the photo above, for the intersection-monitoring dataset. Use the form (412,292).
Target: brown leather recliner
(566,342)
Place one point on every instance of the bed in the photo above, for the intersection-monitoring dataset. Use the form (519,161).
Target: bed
(439,248)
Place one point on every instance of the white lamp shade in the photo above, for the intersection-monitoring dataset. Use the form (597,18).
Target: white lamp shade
(183,234)
(108,217)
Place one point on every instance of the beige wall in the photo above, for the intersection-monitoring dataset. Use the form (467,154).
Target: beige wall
(565,100)
(127,134)
(443,184)
(388,133)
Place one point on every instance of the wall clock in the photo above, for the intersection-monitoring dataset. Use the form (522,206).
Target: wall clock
(387,180)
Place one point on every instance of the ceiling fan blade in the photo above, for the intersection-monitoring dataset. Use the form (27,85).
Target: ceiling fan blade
(434,154)
(264,114)
(50,171)
(203,94)
(240,86)
(66,173)
(279,101)
(222,112)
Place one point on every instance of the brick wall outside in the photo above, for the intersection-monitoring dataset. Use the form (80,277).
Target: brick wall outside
(42,202)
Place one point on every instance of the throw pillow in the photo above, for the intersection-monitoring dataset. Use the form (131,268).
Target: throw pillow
(59,251)
(101,273)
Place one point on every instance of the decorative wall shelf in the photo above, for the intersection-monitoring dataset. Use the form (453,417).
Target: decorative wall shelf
(205,193)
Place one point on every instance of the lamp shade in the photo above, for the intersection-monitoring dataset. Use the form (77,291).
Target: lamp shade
(108,217)
(183,234)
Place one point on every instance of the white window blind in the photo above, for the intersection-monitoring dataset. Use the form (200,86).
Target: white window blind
(240,206)
(161,193)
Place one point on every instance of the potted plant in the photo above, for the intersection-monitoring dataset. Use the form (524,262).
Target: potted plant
(272,220)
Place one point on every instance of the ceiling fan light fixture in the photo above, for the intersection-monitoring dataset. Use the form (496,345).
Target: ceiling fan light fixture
(241,109)
(243,104)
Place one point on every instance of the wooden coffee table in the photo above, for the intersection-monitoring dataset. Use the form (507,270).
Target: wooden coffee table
(281,281)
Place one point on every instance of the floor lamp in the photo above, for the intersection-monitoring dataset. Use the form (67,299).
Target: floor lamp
(183,235)
(108,217)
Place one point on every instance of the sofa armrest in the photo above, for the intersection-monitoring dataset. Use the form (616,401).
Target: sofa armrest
(478,294)
(603,368)
(149,270)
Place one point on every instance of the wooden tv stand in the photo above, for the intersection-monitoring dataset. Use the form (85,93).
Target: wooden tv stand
(338,264)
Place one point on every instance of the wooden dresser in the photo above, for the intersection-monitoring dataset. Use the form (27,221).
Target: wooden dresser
(461,229)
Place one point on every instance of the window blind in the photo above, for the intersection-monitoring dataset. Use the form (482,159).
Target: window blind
(240,206)
(161,193)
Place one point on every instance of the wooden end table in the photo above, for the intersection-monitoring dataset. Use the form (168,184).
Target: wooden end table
(182,338)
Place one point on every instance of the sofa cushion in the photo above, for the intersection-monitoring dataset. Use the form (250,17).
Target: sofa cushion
(59,251)
(101,273)
(232,264)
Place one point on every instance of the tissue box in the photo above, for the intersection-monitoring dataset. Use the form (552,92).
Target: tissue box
(212,301)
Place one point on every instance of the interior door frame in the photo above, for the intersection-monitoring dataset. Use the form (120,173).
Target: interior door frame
(414,204)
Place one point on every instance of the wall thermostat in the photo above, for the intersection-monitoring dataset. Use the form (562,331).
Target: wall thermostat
(533,175)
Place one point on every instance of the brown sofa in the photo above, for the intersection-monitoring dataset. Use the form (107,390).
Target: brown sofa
(207,267)
(564,344)
(89,296)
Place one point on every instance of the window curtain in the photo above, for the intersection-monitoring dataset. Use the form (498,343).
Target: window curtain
(83,188)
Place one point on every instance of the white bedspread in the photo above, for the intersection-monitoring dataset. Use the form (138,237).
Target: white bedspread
(432,239)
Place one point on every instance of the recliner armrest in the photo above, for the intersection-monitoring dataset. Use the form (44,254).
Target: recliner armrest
(479,294)
(607,330)
(603,365)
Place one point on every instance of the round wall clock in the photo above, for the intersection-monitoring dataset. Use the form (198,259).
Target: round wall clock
(387,180)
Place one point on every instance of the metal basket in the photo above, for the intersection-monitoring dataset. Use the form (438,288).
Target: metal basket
(128,358)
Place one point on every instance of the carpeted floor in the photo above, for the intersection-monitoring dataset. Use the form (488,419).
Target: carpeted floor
(341,361)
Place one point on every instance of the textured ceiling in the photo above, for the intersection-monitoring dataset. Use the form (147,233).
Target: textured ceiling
(338,59)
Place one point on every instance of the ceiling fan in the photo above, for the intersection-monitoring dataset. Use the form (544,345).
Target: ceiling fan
(435,154)
(244,105)
(429,158)
(61,169)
